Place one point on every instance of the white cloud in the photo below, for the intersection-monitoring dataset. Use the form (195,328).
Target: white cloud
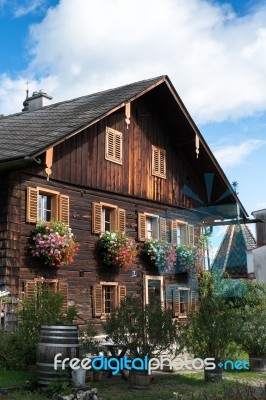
(27,8)
(215,59)
(231,156)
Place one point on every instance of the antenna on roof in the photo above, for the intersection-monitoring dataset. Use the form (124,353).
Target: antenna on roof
(27,91)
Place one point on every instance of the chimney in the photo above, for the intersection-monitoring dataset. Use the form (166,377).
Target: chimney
(37,100)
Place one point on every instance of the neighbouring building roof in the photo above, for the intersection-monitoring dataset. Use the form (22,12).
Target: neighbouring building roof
(231,257)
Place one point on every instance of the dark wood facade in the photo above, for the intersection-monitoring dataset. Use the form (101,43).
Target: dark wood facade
(81,172)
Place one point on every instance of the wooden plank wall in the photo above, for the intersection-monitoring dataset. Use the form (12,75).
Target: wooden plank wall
(88,259)
(81,159)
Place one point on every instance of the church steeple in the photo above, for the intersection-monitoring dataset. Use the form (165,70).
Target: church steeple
(26,102)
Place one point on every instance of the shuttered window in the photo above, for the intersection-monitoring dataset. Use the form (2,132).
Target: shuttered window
(151,227)
(113,145)
(182,233)
(184,300)
(158,162)
(45,205)
(106,297)
(29,289)
(106,217)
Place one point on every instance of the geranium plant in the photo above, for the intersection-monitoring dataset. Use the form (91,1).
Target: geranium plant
(54,243)
(161,253)
(118,249)
(187,257)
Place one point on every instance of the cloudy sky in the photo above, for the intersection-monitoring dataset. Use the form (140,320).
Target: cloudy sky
(213,51)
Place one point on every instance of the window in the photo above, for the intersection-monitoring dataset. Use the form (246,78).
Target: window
(106,297)
(158,162)
(182,233)
(150,226)
(29,288)
(113,145)
(180,300)
(45,204)
(107,217)
(153,286)
(44,207)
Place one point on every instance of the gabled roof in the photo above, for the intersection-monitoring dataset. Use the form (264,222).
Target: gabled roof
(231,257)
(28,133)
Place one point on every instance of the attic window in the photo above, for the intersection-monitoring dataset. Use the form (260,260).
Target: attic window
(113,146)
(158,162)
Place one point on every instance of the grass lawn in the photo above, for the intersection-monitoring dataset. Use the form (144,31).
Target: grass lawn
(15,377)
(163,387)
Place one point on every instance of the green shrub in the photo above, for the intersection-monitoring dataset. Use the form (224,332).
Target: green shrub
(18,348)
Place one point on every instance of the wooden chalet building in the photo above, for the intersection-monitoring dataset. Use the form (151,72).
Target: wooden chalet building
(117,159)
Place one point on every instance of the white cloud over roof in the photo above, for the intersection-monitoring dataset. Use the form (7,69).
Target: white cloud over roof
(215,59)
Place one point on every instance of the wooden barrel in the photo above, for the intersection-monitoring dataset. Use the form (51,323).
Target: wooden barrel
(55,339)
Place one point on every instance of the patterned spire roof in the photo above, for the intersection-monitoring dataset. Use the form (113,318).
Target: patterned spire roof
(231,257)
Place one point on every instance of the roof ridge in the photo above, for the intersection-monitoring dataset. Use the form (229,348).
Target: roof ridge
(155,79)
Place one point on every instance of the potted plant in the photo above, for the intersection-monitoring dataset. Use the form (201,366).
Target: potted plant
(211,330)
(144,331)
(53,243)
(187,258)
(118,249)
(161,253)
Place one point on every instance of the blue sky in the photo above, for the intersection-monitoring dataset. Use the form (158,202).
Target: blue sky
(213,51)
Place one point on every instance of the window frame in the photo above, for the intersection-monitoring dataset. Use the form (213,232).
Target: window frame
(146,279)
(177,304)
(188,233)
(119,295)
(59,205)
(53,195)
(114,146)
(158,162)
(154,226)
(118,216)
(159,227)
(27,288)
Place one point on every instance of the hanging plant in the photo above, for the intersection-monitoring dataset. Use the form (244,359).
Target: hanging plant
(118,249)
(161,253)
(187,257)
(53,243)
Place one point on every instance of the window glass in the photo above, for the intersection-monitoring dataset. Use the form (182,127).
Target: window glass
(149,228)
(109,298)
(44,207)
(106,219)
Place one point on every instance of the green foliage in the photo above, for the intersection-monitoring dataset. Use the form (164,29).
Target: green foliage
(88,345)
(43,308)
(211,331)
(144,331)
(231,311)
(62,385)
(252,335)
(18,348)
(187,257)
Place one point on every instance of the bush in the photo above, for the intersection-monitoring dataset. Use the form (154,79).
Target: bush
(18,348)
(145,331)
